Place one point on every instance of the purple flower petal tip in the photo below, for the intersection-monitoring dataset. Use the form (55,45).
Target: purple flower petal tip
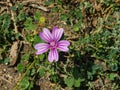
(53,55)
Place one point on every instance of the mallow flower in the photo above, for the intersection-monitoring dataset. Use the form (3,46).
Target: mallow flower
(52,43)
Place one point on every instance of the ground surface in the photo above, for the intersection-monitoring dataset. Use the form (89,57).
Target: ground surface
(8,74)
(8,77)
(91,25)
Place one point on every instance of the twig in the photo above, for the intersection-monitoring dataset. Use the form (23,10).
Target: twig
(107,9)
(5,80)
(39,7)
(90,45)
(13,15)
(108,27)
(3,9)
(3,3)
(35,5)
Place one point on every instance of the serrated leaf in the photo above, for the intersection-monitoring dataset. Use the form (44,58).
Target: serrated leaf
(33,71)
(20,6)
(112,76)
(29,24)
(20,67)
(42,56)
(21,16)
(30,85)
(90,75)
(54,78)
(37,16)
(26,56)
(37,39)
(42,72)
(54,9)
(24,84)
(6,24)
(69,81)
(77,83)
(64,17)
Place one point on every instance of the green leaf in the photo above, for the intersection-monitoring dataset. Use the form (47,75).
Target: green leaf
(48,2)
(24,84)
(54,78)
(30,85)
(76,28)
(13,8)
(64,17)
(37,16)
(112,76)
(26,56)
(42,56)
(69,81)
(54,9)
(33,71)
(59,2)
(28,38)
(78,14)
(21,16)
(6,24)
(20,67)
(20,6)
(6,60)
(42,72)
(77,82)
(114,67)
(37,39)
(29,24)
(90,75)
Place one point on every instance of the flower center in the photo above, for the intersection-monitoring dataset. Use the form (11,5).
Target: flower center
(53,44)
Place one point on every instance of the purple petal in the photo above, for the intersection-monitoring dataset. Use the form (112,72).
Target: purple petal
(63,45)
(63,48)
(46,35)
(54,28)
(41,48)
(53,55)
(57,33)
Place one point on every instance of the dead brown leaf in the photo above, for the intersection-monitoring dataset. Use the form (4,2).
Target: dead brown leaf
(14,52)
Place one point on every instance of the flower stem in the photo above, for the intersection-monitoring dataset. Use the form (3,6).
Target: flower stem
(29,67)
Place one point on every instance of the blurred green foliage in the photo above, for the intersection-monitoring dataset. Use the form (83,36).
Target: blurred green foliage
(94,56)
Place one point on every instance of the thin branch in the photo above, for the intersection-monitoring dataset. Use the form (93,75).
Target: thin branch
(39,7)
(5,80)
(35,5)
(13,15)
